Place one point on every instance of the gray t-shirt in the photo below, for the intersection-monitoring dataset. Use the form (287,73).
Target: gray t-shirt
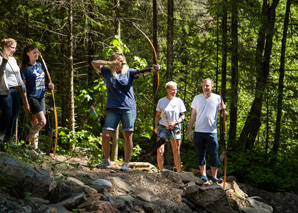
(206,112)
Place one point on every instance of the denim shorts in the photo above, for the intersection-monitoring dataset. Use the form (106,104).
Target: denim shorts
(166,133)
(126,116)
(209,139)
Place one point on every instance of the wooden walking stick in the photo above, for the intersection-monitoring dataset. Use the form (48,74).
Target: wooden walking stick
(222,106)
(54,105)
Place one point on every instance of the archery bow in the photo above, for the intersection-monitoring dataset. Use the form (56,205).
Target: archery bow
(222,106)
(54,105)
(155,55)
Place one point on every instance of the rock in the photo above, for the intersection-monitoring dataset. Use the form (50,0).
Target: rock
(117,202)
(73,201)
(259,205)
(52,208)
(148,207)
(189,177)
(68,188)
(26,178)
(144,196)
(238,191)
(101,184)
(212,198)
(121,184)
(172,176)
(101,207)
(254,210)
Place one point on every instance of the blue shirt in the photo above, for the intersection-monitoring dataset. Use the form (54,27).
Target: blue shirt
(35,80)
(120,93)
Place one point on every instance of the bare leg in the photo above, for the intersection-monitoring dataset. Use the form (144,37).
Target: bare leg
(214,171)
(128,145)
(160,157)
(106,148)
(38,122)
(203,170)
(176,153)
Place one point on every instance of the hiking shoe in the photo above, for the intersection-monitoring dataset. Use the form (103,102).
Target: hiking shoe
(125,167)
(106,164)
(204,179)
(217,180)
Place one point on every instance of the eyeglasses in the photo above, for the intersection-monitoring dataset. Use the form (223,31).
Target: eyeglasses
(124,63)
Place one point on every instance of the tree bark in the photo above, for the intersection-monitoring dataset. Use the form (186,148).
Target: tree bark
(170,37)
(281,80)
(253,123)
(234,81)
(71,87)
(169,77)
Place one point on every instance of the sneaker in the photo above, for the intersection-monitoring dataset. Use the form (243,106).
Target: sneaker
(217,180)
(39,151)
(125,167)
(106,164)
(204,179)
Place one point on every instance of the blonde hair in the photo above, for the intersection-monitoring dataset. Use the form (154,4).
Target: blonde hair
(171,84)
(113,57)
(8,42)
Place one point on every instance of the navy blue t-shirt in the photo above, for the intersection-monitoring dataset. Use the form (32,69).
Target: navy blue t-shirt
(35,80)
(120,93)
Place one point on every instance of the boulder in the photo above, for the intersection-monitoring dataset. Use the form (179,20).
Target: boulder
(212,198)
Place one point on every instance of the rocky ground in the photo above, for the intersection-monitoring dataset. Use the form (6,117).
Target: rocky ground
(67,184)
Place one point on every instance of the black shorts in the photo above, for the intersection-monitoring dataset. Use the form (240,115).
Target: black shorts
(37,105)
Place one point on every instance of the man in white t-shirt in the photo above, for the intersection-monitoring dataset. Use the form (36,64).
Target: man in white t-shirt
(204,112)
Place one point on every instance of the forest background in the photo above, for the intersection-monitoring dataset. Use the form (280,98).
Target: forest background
(249,48)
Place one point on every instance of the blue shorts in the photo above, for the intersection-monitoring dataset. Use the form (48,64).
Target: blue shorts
(166,133)
(209,139)
(127,117)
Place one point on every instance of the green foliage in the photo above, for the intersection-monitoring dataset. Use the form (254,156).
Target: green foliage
(255,168)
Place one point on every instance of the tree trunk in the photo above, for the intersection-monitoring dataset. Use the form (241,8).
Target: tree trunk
(224,62)
(169,77)
(253,123)
(71,87)
(115,141)
(281,80)
(234,81)
(224,50)
(170,35)
(155,44)
(64,76)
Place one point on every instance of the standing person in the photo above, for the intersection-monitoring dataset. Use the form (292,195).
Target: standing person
(204,112)
(10,92)
(121,103)
(34,79)
(171,110)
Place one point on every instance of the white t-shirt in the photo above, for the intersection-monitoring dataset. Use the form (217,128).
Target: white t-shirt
(206,112)
(170,109)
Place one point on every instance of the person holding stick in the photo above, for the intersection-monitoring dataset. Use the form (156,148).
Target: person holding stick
(121,103)
(204,112)
(11,89)
(171,111)
(34,79)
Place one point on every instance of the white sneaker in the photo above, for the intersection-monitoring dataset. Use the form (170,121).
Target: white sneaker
(106,164)
(125,167)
